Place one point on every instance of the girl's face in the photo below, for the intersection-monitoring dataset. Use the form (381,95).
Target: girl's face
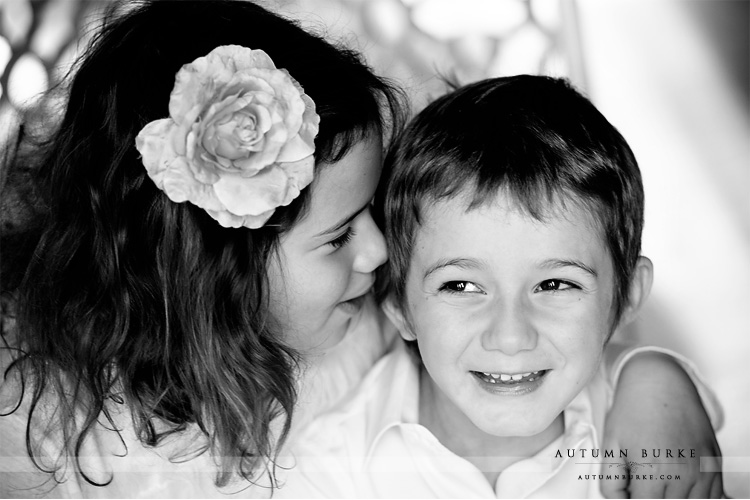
(326,262)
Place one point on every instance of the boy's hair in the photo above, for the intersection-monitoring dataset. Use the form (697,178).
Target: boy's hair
(132,298)
(533,137)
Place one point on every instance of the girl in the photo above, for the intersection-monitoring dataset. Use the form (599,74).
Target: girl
(205,256)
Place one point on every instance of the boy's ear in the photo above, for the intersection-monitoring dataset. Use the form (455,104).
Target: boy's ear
(640,288)
(396,315)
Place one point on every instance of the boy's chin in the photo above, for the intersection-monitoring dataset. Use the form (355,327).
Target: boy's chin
(523,427)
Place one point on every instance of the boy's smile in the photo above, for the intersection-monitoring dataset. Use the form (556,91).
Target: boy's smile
(504,383)
(511,314)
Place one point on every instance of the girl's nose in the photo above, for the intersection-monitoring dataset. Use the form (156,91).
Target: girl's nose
(371,251)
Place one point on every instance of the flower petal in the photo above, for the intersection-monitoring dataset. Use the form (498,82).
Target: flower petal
(251,195)
(300,175)
(274,186)
(304,143)
(156,150)
(310,122)
(295,149)
(243,58)
(179,185)
(250,221)
(239,140)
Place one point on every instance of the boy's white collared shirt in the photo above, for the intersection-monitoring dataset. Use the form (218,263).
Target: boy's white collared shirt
(373,446)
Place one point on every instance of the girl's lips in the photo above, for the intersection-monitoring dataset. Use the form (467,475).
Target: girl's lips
(506,385)
(352,306)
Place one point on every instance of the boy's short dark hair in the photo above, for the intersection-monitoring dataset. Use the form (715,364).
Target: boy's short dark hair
(535,138)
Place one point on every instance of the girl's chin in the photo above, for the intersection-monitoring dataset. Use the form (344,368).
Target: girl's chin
(341,319)
(329,337)
(337,335)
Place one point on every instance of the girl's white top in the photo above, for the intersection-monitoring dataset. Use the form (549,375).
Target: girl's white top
(172,469)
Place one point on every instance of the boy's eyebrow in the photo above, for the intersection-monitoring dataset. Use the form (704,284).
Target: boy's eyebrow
(343,222)
(559,263)
(459,262)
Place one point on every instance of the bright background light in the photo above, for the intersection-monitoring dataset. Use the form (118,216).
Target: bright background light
(671,75)
(673,96)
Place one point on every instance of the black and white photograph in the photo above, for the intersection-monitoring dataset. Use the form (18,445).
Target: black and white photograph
(374,248)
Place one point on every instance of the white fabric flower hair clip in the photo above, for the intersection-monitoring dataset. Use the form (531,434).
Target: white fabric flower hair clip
(239,139)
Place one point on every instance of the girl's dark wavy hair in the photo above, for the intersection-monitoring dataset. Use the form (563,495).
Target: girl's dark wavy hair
(131,299)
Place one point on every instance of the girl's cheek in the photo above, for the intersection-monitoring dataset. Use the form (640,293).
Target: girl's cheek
(335,279)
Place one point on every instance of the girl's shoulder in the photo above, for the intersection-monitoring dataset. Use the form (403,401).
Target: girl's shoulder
(111,456)
(112,463)
(328,377)
(20,477)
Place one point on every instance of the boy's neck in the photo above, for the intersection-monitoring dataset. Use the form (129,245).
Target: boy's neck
(490,454)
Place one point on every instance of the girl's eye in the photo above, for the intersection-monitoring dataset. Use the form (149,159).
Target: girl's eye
(554,286)
(460,287)
(342,240)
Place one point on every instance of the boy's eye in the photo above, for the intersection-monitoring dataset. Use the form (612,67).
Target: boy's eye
(554,285)
(342,240)
(460,287)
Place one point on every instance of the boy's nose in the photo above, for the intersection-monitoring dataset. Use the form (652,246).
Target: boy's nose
(510,331)
(372,252)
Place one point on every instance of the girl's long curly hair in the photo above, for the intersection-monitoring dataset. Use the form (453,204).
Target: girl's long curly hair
(131,299)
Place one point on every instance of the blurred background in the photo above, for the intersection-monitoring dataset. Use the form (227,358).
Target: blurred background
(672,75)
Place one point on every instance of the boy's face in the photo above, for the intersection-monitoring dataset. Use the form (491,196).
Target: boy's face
(511,314)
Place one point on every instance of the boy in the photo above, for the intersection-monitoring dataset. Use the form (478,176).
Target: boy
(513,215)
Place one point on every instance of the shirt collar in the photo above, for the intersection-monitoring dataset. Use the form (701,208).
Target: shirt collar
(397,397)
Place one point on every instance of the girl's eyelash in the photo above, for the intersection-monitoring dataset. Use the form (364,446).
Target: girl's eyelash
(342,240)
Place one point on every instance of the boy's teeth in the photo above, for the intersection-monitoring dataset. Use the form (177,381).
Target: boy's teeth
(505,377)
